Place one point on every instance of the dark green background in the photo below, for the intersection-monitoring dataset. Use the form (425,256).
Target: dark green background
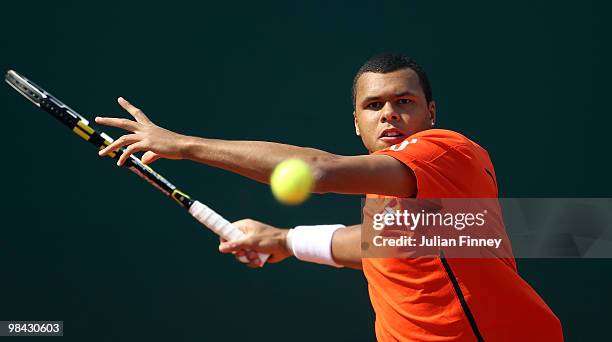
(85,242)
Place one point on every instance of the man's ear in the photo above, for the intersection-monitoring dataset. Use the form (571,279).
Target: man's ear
(431,107)
(356,124)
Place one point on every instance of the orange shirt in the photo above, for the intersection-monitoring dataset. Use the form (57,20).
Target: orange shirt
(452,299)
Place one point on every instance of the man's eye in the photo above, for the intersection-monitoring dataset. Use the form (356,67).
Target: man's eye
(375,105)
(404,101)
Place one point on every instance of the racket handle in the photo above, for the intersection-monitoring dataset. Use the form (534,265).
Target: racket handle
(220,226)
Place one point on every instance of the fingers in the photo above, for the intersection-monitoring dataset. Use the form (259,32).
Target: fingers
(240,254)
(234,246)
(126,124)
(239,247)
(134,111)
(245,246)
(149,157)
(123,141)
(252,257)
(137,147)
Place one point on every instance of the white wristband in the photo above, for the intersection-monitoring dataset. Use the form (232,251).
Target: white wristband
(313,243)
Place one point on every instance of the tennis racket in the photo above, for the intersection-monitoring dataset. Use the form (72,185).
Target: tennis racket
(80,126)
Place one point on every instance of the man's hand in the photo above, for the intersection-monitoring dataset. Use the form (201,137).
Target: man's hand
(146,136)
(260,238)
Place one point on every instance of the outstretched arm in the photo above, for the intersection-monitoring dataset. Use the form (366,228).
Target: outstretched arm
(263,238)
(256,159)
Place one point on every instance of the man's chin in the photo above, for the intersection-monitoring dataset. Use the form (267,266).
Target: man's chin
(381,146)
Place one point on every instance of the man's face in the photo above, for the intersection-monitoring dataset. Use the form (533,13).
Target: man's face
(390,107)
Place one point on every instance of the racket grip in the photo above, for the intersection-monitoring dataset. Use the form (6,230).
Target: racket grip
(220,226)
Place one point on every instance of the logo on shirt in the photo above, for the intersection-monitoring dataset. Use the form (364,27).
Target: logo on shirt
(402,145)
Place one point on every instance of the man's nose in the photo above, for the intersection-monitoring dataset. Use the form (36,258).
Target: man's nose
(388,113)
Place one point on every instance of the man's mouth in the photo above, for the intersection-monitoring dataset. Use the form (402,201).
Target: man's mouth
(392,135)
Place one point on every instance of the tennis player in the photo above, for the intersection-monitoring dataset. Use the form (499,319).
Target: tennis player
(415,299)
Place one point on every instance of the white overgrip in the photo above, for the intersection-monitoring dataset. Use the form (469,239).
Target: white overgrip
(220,226)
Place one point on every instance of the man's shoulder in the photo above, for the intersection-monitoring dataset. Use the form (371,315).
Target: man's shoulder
(447,142)
(432,144)
(443,135)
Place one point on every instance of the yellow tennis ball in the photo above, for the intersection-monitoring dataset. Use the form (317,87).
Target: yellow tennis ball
(291,181)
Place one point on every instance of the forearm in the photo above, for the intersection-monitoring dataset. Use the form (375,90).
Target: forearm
(365,174)
(346,246)
(252,159)
(332,173)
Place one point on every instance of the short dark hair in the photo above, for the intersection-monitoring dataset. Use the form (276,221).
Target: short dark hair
(389,62)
